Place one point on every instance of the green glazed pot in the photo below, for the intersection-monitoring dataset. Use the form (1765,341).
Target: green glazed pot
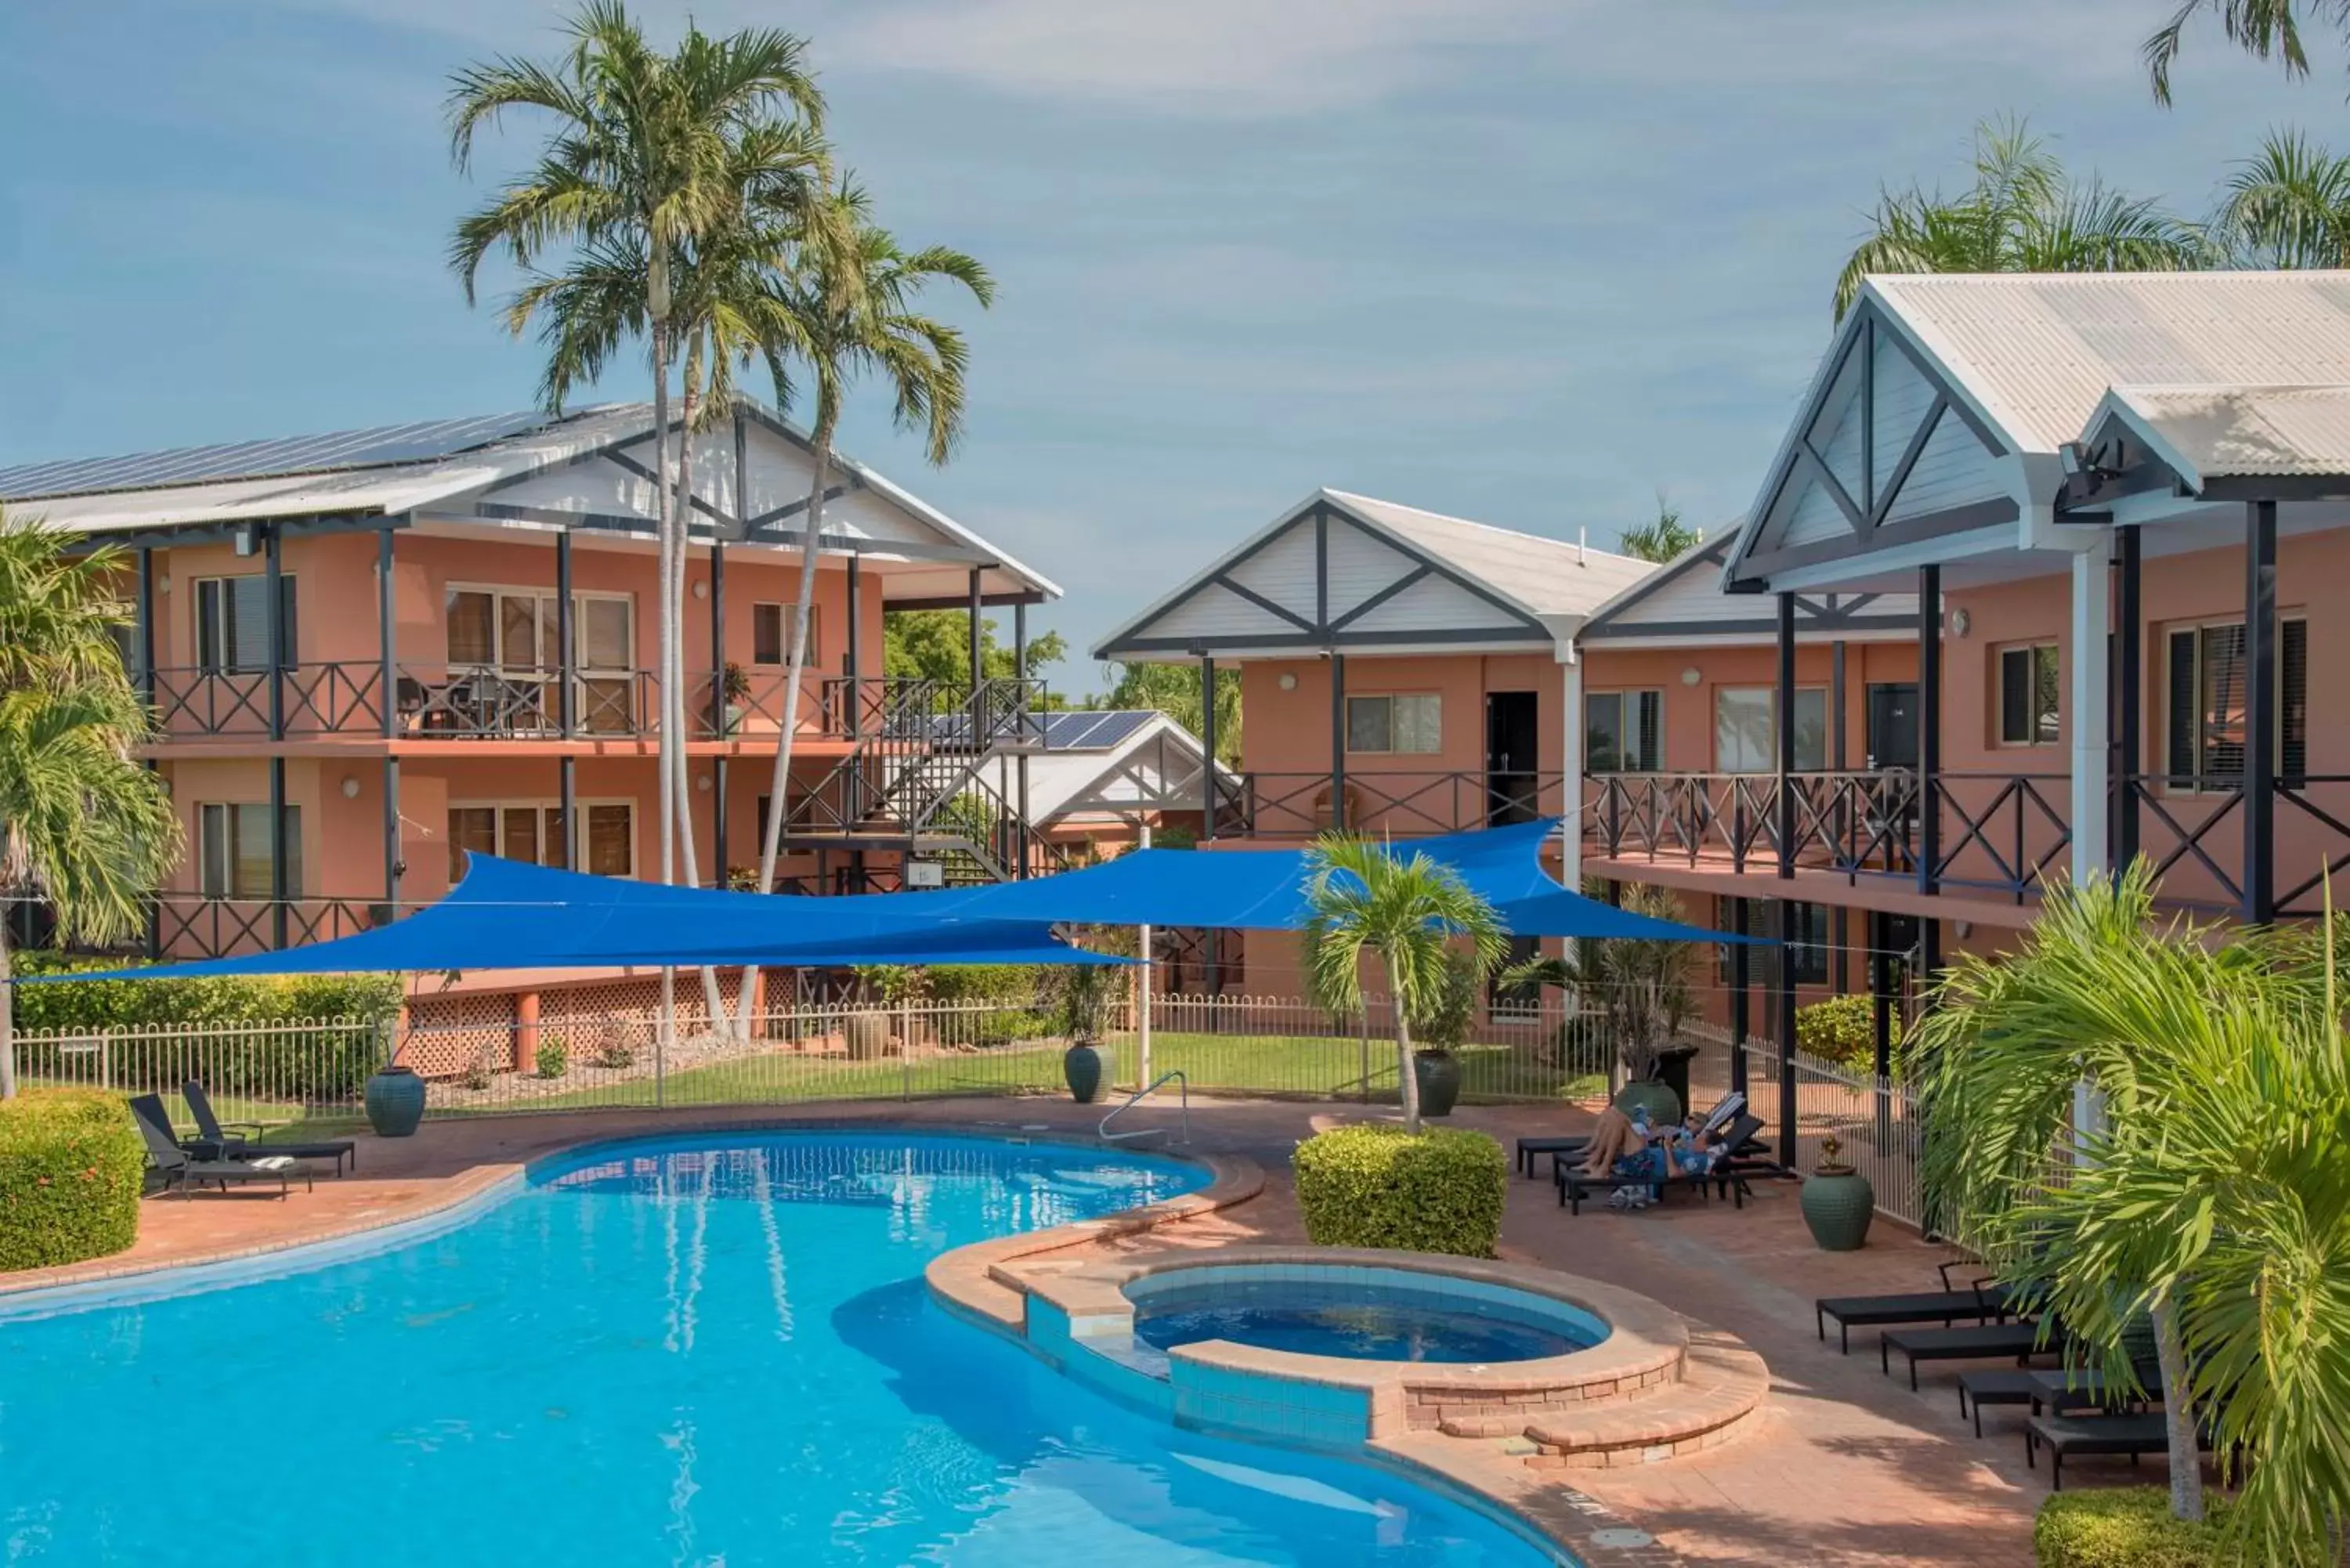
(1438,1073)
(1664,1105)
(395,1102)
(1839,1203)
(1081,1066)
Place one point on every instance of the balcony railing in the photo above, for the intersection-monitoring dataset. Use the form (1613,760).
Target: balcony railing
(191,926)
(460,701)
(1299,805)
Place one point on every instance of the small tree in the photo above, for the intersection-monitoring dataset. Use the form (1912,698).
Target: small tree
(1638,987)
(1407,912)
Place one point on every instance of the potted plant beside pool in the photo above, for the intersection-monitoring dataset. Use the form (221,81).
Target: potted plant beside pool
(1838,1203)
(1442,1031)
(1087,992)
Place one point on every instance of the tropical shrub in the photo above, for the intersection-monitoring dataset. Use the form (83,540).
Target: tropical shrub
(1435,1191)
(551,1059)
(70,1165)
(615,1053)
(2125,1527)
(1842,1030)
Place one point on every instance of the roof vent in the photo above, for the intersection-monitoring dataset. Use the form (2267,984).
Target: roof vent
(1583,546)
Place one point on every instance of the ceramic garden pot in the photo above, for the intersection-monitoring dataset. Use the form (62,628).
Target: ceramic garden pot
(1664,1107)
(1839,1203)
(395,1102)
(1081,1066)
(1438,1073)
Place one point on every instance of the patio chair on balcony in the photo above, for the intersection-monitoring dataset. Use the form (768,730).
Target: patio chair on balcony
(244,1140)
(175,1167)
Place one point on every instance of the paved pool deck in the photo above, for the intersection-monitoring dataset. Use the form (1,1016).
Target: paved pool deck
(1847,1466)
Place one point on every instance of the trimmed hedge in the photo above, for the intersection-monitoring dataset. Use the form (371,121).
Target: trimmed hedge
(72,1166)
(1380,1187)
(1843,1029)
(2125,1527)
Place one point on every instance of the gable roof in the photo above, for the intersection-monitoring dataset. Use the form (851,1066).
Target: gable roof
(480,467)
(1116,763)
(2222,433)
(1683,604)
(1340,571)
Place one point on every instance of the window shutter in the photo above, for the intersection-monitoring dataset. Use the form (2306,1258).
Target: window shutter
(2179,735)
(2292,683)
(248,626)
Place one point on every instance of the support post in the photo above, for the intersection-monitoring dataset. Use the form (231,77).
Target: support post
(566,656)
(2261,710)
(568,803)
(2129,709)
(387,635)
(143,633)
(1783,731)
(1784,996)
(1207,748)
(855,650)
(1338,741)
(723,875)
(978,649)
(1840,933)
(718,640)
(274,619)
(279,890)
(1741,970)
(1929,730)
(1784,1027)
(2091,698)
(392,867)
(1571,731)
(1020,759)
(1881,1035)
(1142,981)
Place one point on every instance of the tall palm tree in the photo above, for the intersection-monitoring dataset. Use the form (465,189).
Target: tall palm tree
(646,159)
(854,302)
(2023,213)
(82,824)
(2289,206)
(1406,911)
(2263,28)
(1663,539)
(2212,1201)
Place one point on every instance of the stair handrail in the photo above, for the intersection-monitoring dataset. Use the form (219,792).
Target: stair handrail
(1174,1075)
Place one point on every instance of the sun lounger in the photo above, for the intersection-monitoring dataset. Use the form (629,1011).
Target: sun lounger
(1945,1307)
(1531,1150)
(1978,1342)
(175,1167)
(214,1141)
(1729,1174)
(2062,1434)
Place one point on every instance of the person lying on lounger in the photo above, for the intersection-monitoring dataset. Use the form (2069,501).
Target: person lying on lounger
(1625,1147)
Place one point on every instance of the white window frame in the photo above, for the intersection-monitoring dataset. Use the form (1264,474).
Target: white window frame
(2031,651)
(2161,775)
(575,848)
(1391,698)
(1627,697)
(1770,695)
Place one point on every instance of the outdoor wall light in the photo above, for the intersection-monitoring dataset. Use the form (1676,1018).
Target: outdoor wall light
(163,584)
(1289,681)
(701,590)
(1691,676)
(1960,621)
(350,788)
(702,784)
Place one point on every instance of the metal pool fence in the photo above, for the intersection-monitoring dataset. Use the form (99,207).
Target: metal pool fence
(1874,1121)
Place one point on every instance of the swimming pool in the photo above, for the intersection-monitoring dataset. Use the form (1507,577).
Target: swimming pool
(1363,1322)
(713,1352)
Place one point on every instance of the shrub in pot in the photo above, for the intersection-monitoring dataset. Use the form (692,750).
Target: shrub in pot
(1439,1031)
(1439,1191)
(72,1166)
(869,1036)
(1088,992)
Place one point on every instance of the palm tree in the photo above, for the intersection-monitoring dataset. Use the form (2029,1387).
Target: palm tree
(1406,911)
(853,302)
(2023,213)
(2210,1198)
(1663,539)
(82,824)
(2288,207)
(1633,988)
(2261,28)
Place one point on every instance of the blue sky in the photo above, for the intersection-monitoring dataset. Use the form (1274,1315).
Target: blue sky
(1525,261)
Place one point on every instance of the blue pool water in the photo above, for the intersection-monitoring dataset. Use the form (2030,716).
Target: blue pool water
(707,1354)
(1363,1322)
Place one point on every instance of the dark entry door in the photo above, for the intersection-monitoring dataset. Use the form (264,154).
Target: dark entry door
(1512,737)
(1893,724)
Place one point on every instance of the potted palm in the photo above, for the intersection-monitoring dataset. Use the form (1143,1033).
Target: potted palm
(1087,992)
(1407,912)
(1633,993)
(1442,1031)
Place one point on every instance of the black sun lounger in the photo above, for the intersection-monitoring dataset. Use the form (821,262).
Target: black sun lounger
(215,1142)
(1976,1341)
(1531,1150)
(176,1168)
(2062,1434)
(1945,1307)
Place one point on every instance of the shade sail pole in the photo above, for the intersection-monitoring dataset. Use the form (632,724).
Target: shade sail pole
(1142,1005)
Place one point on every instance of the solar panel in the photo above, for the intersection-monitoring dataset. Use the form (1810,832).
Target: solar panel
(1089,731)
(380,447)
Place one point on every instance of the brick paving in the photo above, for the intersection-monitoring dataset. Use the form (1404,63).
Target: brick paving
(1844,1466)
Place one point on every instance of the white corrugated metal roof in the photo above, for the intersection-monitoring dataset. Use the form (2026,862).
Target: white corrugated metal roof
(2209,432)
(2038,351)
(1543,576)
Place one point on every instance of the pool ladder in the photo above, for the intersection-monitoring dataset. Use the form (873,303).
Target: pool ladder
(1174,1076)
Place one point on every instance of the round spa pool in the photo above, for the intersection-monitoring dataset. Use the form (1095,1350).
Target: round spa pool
(1360,1315)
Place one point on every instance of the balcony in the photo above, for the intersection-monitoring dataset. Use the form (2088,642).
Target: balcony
(1409,804)
(456,701)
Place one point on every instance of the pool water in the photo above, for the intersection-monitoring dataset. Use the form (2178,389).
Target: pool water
(716,1352)
(1361,1322)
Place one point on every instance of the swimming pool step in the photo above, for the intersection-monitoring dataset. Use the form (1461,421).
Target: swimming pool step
(1719,1397)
